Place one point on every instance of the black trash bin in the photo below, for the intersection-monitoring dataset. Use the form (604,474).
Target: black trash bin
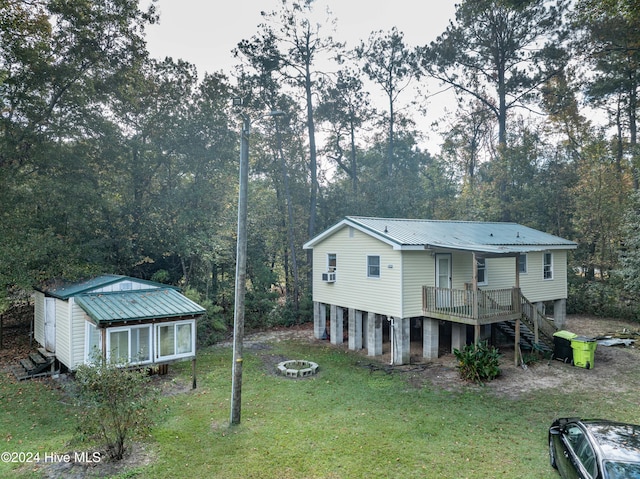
(562,346)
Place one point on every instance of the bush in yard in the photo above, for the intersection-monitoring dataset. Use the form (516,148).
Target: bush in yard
(478,362)
(116,403)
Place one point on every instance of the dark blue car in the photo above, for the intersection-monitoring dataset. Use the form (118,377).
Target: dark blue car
(595,449)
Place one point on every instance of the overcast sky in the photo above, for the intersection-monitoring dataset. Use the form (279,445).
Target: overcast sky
(204,32)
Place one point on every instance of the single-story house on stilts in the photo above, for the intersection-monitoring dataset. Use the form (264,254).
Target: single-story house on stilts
(120,318)
(397,278)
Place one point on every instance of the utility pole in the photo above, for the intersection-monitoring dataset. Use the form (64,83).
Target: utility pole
(241,274)
(241,266)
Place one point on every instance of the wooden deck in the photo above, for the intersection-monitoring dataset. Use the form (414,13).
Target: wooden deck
(471,307)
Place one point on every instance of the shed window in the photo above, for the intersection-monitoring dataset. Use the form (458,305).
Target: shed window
(176,340)
(130,345)
(548,266)
(373,266)
(93,342)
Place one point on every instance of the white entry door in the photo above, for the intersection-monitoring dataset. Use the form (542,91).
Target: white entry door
(443,280)
(50,324)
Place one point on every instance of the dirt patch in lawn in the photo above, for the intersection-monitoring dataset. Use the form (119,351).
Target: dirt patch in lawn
(615,365)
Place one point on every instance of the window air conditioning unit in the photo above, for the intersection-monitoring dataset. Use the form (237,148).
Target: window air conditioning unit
(329,277)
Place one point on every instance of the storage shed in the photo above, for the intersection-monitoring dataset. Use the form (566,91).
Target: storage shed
(121,318)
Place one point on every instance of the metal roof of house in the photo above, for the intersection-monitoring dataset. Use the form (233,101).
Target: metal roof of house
(62,289)
(137,305)
(486,237)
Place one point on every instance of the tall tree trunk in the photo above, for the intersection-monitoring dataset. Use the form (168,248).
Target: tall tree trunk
(313,169)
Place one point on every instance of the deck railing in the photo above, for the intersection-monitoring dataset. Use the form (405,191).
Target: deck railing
(478,305)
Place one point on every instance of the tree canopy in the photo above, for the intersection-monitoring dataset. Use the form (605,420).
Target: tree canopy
(113,161)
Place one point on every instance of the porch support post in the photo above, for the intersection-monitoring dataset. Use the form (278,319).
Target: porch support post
(400,337)
(355,329)
(193,373)
(357,340)
(560,313)
(365,330)
(516,348)
(319,320)
(458,336)
(474,294)
(430,338)
(337,324)
(374,330)
(476,333)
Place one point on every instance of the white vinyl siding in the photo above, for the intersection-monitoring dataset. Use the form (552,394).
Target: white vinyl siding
(418,270)
(532,284)
(63,333)
(124,285)
(353,289)
(38,317)
(79,330)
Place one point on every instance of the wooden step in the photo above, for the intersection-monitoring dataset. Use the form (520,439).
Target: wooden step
(46,354)
(37,364)
(27,364)
(37,358)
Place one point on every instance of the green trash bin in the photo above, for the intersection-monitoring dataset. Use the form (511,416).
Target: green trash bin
(562,350)
(584,351)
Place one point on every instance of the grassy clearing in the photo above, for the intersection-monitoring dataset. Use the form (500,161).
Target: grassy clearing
(346,422)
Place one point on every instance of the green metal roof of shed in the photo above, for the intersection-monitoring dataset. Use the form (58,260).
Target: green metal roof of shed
(62,289)
(487,237)
(141,304)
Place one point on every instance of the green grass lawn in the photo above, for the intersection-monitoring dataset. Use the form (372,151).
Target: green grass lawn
(346,422)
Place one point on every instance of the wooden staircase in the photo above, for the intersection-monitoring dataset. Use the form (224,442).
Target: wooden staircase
(536,330)
(38,364)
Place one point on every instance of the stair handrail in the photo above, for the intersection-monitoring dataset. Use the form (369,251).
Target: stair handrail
(537,322)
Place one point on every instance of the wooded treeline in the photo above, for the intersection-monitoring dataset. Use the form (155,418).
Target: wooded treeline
(114,162)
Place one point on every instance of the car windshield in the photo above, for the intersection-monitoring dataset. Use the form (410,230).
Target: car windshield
(622,470)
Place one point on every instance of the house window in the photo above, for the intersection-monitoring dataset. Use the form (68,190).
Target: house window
(548,266)
(332,262)
(373,266)
(129,345)
(522,264)
(482,270)
(175,340)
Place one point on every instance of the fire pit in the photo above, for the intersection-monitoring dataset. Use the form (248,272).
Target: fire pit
(297,368)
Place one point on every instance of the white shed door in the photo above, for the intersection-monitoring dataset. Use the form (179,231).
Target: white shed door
(50,324)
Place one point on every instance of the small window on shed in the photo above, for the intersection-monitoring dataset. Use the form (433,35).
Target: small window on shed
(176,340)
(93,343)
(131,345)
(373,266)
